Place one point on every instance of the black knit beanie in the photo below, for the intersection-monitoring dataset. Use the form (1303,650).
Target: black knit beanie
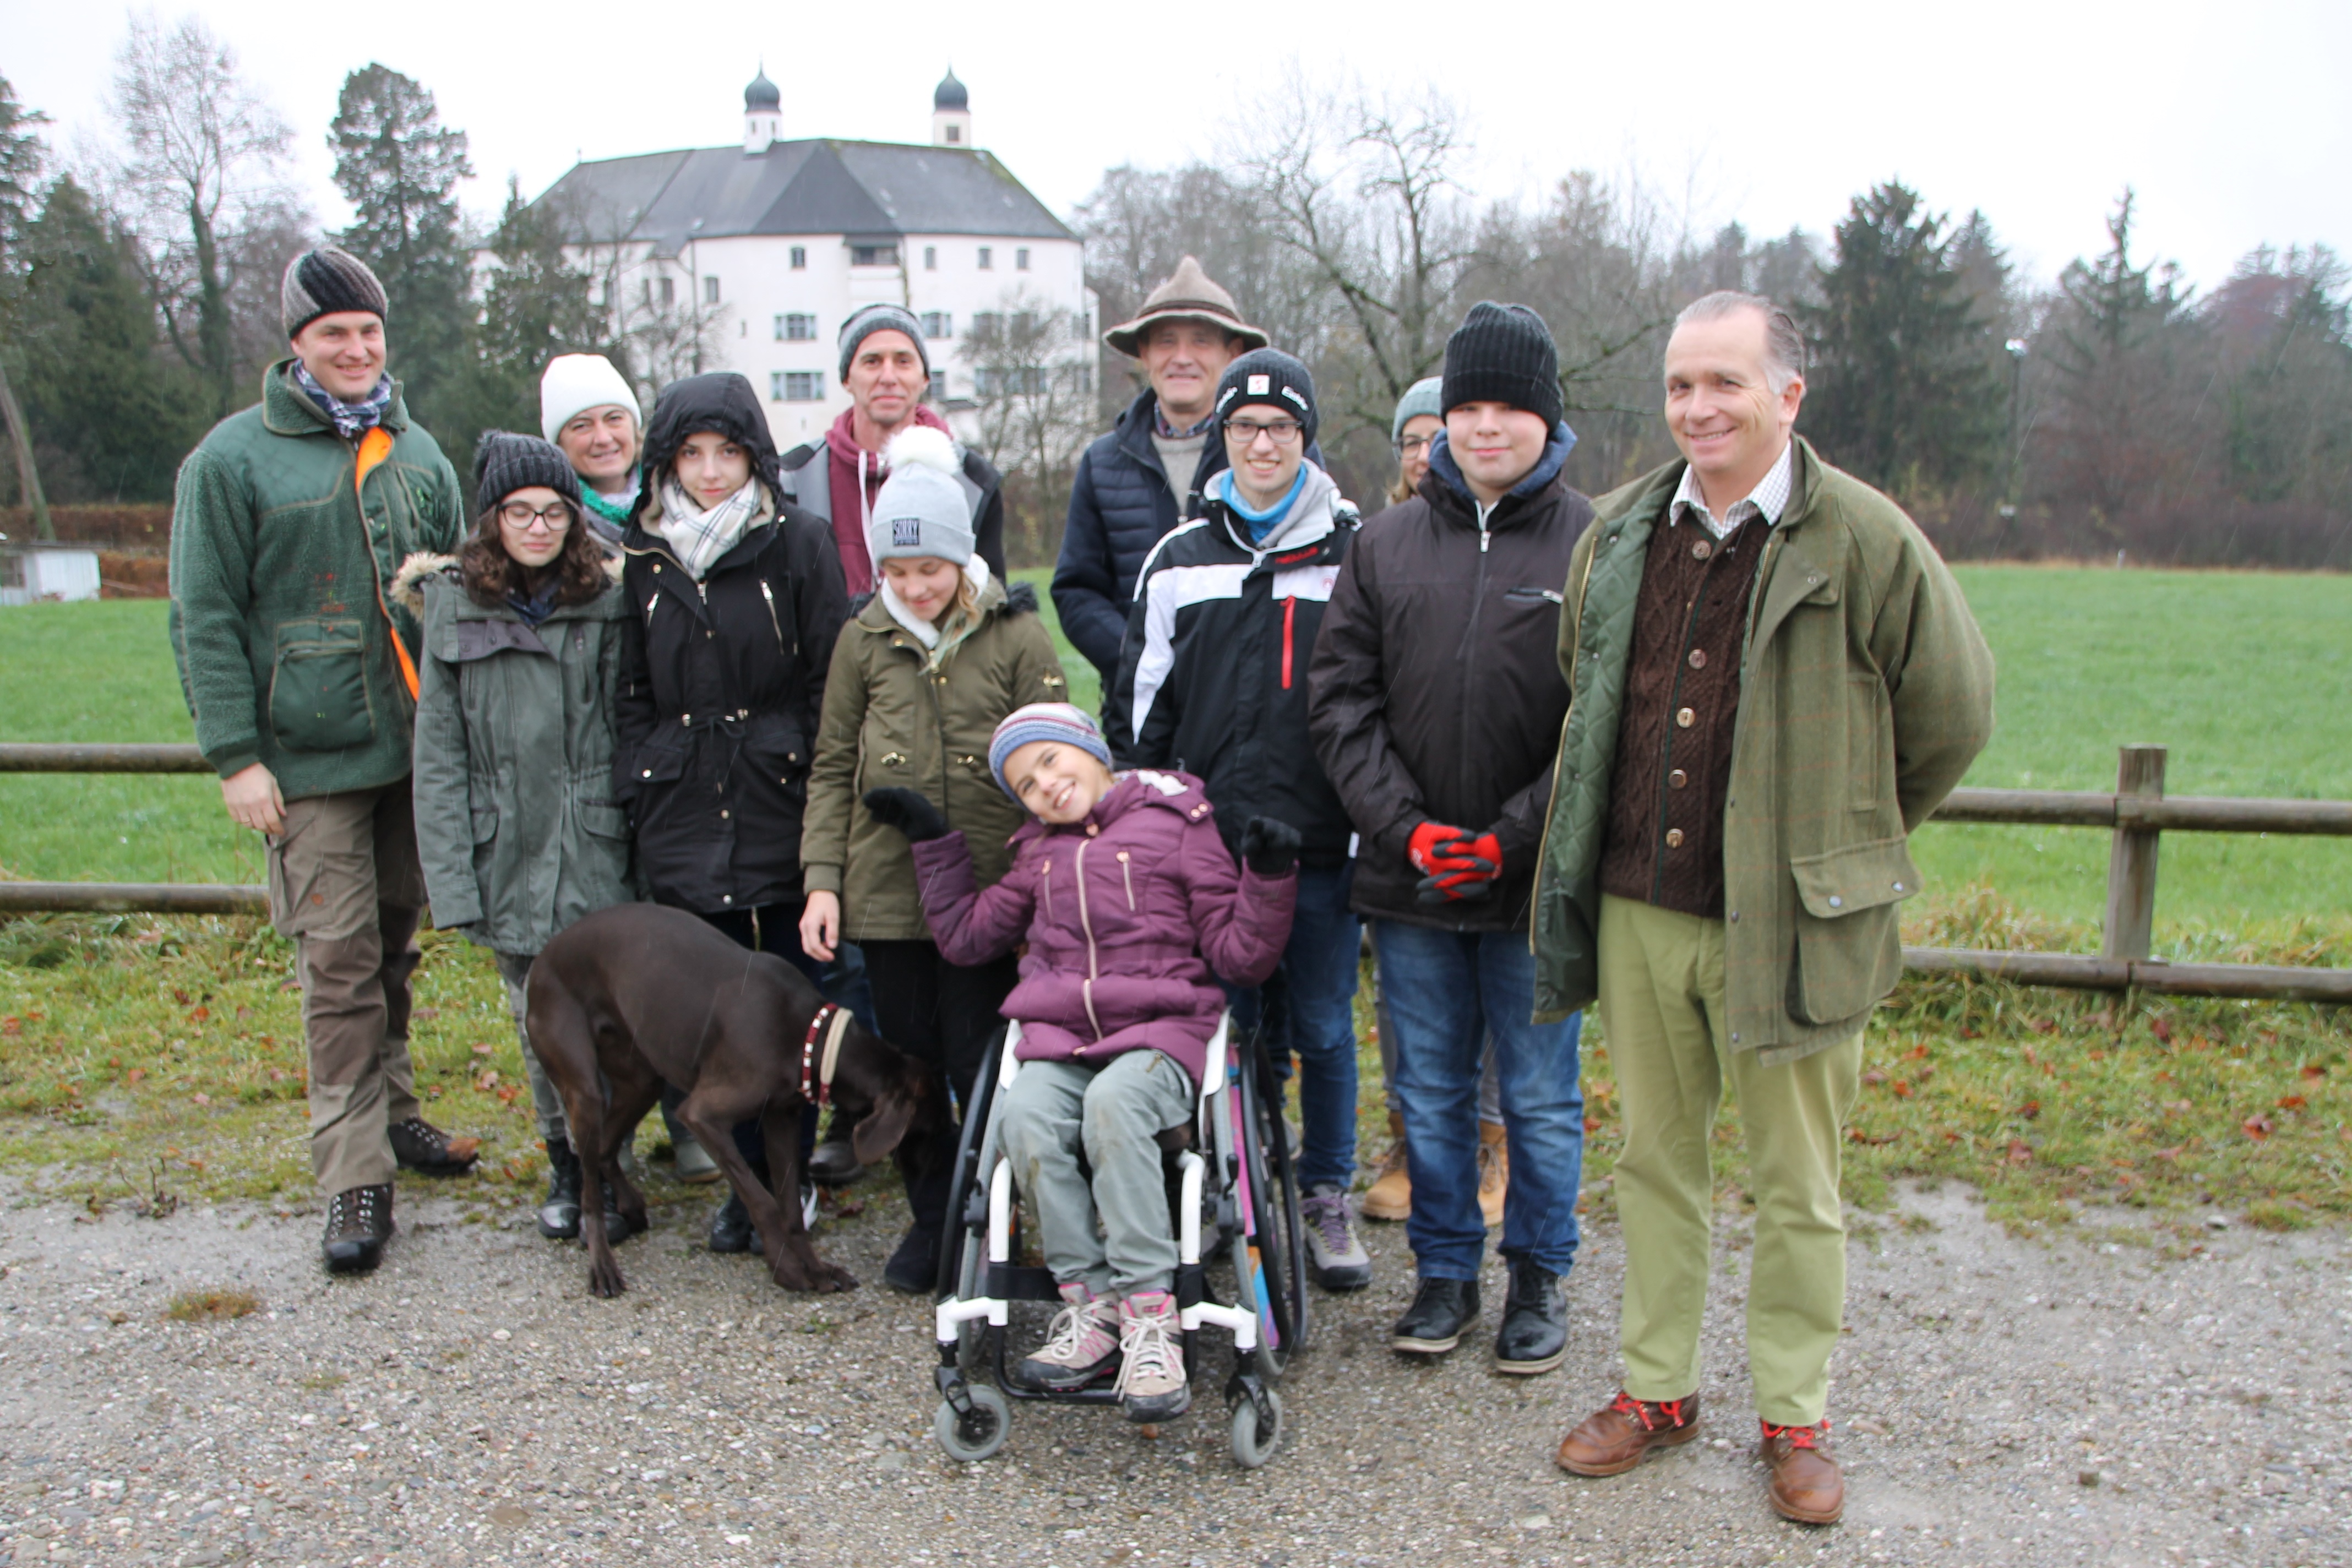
(1269,377)
(322,281)
(1503,353)
(505,463)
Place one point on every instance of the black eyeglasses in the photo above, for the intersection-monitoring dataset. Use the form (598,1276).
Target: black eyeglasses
(1247,431)
(556,515)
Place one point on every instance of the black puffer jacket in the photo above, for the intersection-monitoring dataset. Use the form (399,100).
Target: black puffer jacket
(1212,676)
(1436,689)
(722,681)
(1123,500)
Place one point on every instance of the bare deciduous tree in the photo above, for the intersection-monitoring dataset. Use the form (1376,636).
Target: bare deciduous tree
(199,166)
(1032,392)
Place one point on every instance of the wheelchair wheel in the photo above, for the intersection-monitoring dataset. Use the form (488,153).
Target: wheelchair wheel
(1254,1441)
(1270,1259)
(973,1438)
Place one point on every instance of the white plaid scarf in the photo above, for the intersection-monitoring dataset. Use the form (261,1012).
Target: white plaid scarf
(699,538)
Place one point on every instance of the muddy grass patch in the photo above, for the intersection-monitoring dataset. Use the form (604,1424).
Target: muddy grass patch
(213,1305)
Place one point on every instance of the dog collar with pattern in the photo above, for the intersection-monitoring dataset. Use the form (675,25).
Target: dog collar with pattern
(816,1071)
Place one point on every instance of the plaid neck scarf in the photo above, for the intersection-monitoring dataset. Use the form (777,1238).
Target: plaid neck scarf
(350,418)
(699,538)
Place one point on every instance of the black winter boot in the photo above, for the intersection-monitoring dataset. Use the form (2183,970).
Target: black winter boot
(1533,1336)
(559,1217)
(1433,1325)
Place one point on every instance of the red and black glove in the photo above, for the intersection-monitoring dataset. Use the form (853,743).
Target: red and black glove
(1459,869)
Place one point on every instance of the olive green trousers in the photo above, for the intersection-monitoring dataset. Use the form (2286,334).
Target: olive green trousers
(1661,1013)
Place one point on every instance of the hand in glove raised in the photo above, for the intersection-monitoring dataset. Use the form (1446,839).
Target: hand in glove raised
(908,812)
(1269,847)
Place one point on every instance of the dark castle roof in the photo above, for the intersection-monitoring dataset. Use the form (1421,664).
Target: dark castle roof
(881,189)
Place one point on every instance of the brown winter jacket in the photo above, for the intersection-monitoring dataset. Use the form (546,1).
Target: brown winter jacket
(1437,695)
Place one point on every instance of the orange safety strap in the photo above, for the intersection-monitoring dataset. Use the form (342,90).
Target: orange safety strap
(374,448)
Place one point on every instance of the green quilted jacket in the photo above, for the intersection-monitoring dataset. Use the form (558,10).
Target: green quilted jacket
(283,552)
(1865,692)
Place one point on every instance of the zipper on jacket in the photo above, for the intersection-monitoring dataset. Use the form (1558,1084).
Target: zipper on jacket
(1045,877)
(1085,923)
(649,610)
(1126,875)
(773,624)
(1289,619)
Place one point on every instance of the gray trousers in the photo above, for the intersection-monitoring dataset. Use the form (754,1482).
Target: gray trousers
(1490,1082)
(1113,1114)
(514,969)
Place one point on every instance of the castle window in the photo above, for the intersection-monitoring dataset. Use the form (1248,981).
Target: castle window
(1021,260)
(930,258)
(799,257)
(987,258)
(796,327)
(796,386)
(710,290)
(938,324)
(874,256)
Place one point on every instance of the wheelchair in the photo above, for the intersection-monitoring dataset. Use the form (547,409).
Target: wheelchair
(1234,1202)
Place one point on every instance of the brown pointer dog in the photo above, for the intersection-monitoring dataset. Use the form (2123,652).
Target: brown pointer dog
(637,995)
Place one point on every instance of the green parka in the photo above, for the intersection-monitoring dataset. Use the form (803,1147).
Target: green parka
(891,721)
(1865,692)
(515,817)
(283,552)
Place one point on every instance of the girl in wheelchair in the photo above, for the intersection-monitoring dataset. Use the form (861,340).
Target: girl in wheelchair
(1131,909)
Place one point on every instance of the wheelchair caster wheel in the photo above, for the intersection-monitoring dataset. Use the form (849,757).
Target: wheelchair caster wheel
(1254,1442)
(971,1439)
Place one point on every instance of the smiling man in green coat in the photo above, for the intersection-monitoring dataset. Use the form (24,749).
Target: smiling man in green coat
(287,526)
(1772,680)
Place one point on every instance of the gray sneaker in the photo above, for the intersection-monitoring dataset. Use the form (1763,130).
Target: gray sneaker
(1334,1256)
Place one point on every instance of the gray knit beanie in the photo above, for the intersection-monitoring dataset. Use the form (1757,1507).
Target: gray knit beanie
(505,463)
(1423,396)
(874,319)
(921,509)
(322,281)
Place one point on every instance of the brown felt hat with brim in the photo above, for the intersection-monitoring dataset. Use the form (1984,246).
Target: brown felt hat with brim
(1189,295)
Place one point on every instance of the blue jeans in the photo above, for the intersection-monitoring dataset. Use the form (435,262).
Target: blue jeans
(1446,991)
(1310,1008)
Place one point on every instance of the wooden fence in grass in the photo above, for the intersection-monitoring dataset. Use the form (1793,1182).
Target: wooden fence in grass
(2138,814)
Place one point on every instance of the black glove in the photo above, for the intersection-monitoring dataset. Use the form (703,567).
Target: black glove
(908,812)
(1270,848)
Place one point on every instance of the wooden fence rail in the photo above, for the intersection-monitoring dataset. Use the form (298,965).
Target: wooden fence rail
(2138,813)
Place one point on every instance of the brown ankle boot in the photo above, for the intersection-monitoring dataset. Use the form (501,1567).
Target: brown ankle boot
(1616,1438)
(1389,1196)
(1806,1484)
(1494,1172)
(358,1222)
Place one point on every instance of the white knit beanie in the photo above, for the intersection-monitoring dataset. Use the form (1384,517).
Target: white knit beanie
(920,509)
(575,383)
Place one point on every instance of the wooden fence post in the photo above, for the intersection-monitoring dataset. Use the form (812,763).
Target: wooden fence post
(2131,861)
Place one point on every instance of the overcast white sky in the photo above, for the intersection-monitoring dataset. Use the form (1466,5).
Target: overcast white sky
(2233,121)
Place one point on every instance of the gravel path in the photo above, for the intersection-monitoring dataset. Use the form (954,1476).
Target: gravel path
(2119,1399)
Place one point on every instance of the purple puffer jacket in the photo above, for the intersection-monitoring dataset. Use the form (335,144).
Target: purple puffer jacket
(1125,914)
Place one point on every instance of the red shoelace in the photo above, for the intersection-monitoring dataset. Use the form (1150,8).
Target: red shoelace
(1799,1437)
(1642,1410)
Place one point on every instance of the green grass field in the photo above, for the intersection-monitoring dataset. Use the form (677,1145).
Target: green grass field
(2246,677)
(141,1055)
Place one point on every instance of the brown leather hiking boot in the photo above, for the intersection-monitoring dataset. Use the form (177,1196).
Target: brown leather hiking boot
(1494,1172)
(424,1148)
(1616,1438)
(1389,1197)
(1806,1484)
(358,1222)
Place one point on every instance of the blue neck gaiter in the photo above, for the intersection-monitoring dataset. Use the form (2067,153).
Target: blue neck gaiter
(1261,523)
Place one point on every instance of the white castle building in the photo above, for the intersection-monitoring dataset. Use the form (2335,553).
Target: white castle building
(749,258)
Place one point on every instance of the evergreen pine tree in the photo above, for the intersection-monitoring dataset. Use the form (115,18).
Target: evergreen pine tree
(1903,394)
(399,167)
(537,304)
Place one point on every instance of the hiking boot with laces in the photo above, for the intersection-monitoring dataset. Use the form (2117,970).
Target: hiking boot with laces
(1081,1344)
(1534,1335)
(1806,1485)
(1152,1386)
(1389,1197)
(358,1222)
(423,1148)
(1334,1256)
(1494,1172)
(559,1214)
(1616,1438)
(1433,1325)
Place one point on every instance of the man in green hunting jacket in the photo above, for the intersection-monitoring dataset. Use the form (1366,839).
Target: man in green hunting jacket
(1772,681)
(290,522)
